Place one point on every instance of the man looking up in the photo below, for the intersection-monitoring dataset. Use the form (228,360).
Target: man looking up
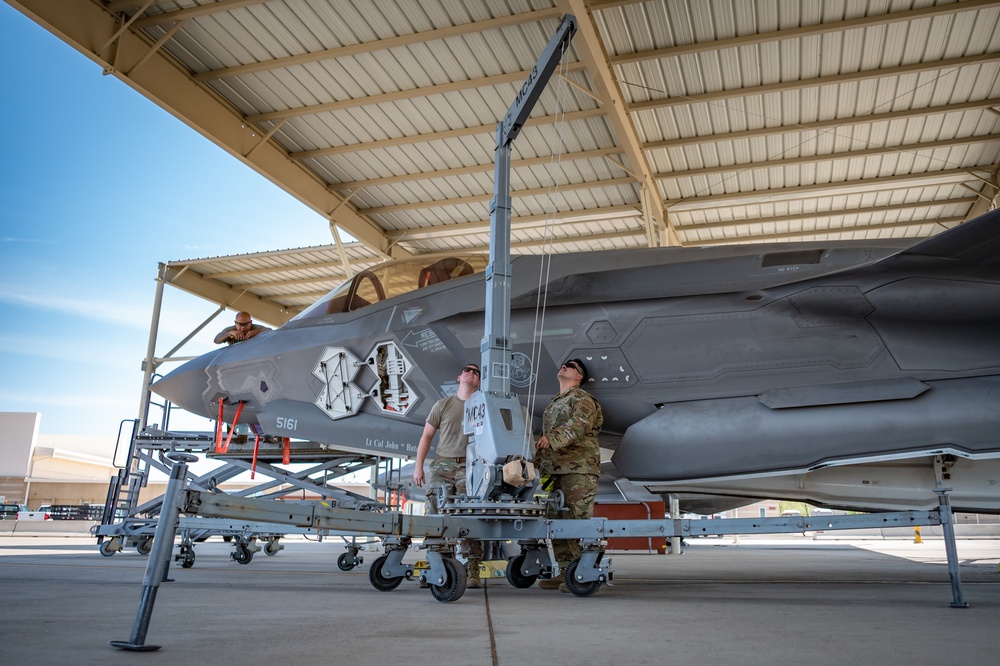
(569,453)
(448,467)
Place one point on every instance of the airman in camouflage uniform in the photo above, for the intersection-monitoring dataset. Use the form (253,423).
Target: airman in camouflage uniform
(448,466)
(568,452)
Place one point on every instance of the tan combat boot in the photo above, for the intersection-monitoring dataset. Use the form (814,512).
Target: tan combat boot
(472,576)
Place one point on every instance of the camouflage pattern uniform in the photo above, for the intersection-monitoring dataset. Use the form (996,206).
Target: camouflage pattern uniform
(571,423)
(447,470)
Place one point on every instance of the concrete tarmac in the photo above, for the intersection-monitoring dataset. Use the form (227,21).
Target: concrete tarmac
(779,600)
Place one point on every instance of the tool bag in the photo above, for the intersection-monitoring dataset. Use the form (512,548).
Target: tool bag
(518,472)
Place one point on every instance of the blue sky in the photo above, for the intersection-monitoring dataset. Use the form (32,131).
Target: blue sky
(99,185)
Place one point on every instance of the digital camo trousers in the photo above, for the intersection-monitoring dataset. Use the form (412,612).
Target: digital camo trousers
(450,475)
(579,492)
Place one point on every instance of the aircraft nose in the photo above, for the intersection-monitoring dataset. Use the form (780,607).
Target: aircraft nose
(185,386)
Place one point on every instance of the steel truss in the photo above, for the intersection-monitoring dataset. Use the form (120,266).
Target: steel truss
(126,523)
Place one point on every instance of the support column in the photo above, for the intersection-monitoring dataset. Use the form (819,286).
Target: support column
(149,364)
(675,509)
(949,544)
(159,558)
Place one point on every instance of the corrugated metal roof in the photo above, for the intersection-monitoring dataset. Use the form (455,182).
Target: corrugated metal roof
(748,121)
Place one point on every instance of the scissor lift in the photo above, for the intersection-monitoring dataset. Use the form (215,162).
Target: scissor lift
(127,523)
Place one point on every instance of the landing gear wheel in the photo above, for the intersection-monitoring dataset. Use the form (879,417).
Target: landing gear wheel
(110,547)
(454,584)
(346,562)
(242,554)
(186,557)
(145,546)
(380,582)
(272,547)
(580,589)
(514,575)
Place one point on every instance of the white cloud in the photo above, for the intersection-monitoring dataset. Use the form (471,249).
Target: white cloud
(118,313)
(13,239)
(64,400)
(103,353)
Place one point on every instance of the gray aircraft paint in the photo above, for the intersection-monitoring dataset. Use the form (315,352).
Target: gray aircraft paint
(717,368)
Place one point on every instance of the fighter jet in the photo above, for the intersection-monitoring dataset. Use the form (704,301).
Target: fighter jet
(859,375)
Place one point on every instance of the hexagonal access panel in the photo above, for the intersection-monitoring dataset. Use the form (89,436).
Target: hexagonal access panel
(339,397)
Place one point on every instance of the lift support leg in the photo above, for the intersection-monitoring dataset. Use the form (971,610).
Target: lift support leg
(159,558)
(949,544)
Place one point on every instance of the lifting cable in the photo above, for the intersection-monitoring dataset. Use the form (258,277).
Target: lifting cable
(555,170)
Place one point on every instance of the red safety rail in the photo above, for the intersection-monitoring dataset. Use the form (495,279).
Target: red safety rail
(286,452)
(232,429)
(218,429)
(253,463)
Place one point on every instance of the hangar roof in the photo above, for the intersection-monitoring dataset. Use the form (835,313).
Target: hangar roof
(676,122)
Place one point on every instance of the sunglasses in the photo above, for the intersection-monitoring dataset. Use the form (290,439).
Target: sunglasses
(474,371)
(243,323)
(573,366)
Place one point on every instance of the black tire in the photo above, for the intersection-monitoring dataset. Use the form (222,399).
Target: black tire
(272,548)
(380,582)
(108,548)
(514,575)
(576,588)
(145,546)
(454,584)
(187,558)
(346,562)
(243,555)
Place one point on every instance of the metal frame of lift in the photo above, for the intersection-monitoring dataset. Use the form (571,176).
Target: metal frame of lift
(125,522)
(496,512)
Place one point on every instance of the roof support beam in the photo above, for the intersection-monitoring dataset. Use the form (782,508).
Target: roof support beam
(877,184)
(476,169)
(828,157)
(519,223)
(478,130)
(195,12)
(382,44)
(795,33)
(851,212)
(821,125)
(85,25)
(399,95)
(533,192)
(806,233)
(265,270)
(992,182)
(221,293)
(590,50)
(719,95)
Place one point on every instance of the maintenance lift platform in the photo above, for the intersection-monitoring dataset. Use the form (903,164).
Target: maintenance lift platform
(128,523)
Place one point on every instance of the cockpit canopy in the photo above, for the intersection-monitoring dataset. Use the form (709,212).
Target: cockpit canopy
(393,278)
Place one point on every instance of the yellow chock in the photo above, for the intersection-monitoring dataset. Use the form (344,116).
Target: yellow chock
(916,535)
(493,569)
